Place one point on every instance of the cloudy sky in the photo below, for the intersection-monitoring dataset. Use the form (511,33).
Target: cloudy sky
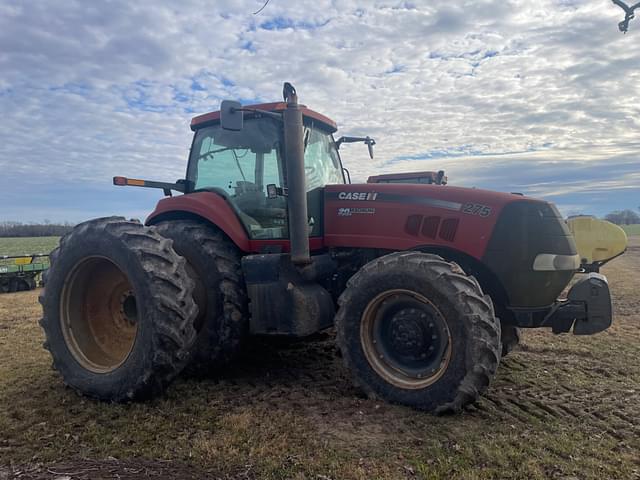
(538,97)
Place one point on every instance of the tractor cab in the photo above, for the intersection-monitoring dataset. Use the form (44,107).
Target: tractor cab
(248,167)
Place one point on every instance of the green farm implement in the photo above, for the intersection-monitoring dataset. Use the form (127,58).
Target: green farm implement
(21,272)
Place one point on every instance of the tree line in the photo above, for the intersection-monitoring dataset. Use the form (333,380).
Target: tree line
(623,217)
(46,229)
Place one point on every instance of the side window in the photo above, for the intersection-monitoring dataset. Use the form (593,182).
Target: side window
(222,168)
(321,162)
(240,165)
(321,167)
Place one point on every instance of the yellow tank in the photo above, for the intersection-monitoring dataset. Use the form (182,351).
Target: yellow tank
(597,240)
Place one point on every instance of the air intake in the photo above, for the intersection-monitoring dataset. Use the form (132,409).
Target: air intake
(412,227)
(448,229)
(430,227)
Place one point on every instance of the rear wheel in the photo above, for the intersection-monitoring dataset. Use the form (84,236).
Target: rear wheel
(214,263)
(118,310)
(415,330)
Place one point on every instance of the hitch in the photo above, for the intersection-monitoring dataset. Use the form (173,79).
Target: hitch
(587,309)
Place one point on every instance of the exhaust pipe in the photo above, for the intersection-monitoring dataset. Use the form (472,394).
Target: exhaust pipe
(296,188)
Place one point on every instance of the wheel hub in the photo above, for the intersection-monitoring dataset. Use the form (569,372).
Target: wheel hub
(99,314)
(128,308)
(405,338)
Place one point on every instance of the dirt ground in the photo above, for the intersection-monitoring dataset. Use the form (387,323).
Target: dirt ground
(561,407)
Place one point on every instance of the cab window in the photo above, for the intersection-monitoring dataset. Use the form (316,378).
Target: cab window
(239,165)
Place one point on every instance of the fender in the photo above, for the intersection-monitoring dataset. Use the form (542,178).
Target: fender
(208,205)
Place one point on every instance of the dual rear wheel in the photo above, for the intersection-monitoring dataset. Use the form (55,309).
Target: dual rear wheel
(118,310)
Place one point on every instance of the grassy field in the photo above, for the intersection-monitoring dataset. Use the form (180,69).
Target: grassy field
(27,245)
(631,229)
(561,407)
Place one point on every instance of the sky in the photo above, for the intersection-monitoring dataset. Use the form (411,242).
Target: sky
(538,97)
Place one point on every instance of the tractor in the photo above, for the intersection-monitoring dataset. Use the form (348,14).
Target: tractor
(267,236)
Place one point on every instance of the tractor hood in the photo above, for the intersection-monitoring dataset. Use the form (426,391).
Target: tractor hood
(524,242)
(403,216)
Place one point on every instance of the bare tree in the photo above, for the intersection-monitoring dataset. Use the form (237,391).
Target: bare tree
(46,229)
(623,217)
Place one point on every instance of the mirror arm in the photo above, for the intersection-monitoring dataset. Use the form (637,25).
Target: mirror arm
(367,140)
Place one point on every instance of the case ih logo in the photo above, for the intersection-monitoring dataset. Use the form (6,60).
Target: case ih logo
(357,196)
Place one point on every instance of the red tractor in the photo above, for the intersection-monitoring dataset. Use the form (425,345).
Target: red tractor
(424,285)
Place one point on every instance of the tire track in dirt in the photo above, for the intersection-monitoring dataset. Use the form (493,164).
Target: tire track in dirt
(308,377)
(599,404)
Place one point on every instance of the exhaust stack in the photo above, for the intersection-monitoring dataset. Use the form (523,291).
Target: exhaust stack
(297,192)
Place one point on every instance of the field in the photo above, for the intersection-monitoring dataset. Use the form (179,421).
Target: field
(561,407)
(26,245)
(631,229)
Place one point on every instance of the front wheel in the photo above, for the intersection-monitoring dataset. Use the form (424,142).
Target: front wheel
(415,330)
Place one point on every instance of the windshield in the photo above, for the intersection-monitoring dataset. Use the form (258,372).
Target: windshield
(224,159)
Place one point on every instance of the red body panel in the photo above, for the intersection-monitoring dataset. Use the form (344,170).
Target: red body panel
(207,205)
(382,218)
(214,208)
(390,216)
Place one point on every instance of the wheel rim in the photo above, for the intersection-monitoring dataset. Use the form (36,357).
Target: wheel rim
(405,338)
(99,314)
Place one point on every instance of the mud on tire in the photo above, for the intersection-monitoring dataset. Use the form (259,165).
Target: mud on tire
(118,310)
(453,306)
(223,321)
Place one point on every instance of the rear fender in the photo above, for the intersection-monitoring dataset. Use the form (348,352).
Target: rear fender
(206,205)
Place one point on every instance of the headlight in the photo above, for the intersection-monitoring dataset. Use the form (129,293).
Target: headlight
(546,262)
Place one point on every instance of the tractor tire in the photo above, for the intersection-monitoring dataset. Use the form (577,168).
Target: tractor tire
(510,338)
(118,310)
(416,330)
(213,261)
(14,285)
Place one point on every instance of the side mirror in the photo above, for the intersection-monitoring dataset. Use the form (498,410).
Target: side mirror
(231,115)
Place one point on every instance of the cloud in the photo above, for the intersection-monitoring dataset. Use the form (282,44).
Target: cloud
(542,97)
